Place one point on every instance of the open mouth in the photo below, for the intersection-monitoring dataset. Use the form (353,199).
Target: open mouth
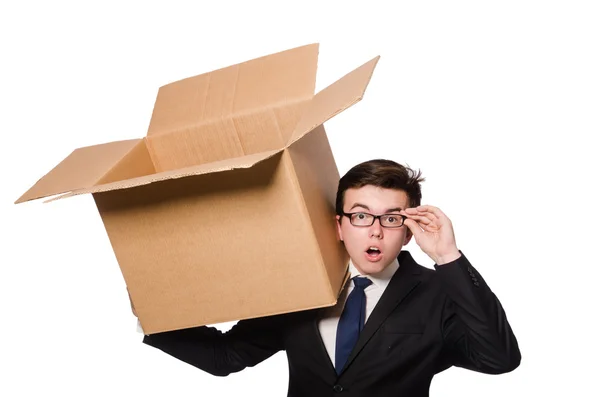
(373,253)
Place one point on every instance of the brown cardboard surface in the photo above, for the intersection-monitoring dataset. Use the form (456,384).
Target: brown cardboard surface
(82,168)
(135,163)
(226,108)
(213,261)
(225,210)
(269,81)
(334,99)
(318,177)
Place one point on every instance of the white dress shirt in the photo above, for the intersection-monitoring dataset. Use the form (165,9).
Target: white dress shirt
(329,322)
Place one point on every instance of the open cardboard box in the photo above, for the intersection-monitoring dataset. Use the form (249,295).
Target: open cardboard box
(225,210)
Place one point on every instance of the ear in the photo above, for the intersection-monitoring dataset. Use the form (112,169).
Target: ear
(338,222)
(407,237)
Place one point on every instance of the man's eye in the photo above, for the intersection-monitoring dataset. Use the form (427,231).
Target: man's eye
(393,219)
(360,216)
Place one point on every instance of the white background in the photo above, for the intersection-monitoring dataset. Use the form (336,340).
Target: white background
(496,102)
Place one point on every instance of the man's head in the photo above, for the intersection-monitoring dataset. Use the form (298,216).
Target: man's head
(375,187)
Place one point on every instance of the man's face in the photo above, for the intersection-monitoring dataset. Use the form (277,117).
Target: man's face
(359,240)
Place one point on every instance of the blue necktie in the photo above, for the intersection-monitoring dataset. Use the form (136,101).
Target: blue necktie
(351,322)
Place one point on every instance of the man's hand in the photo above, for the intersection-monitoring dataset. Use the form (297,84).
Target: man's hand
(433,232)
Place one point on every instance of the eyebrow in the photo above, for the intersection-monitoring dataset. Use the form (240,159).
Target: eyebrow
(368,209)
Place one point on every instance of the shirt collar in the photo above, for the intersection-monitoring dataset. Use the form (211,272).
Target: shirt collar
(381,279)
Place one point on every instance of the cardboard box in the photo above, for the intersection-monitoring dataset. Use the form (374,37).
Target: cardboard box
(225,210)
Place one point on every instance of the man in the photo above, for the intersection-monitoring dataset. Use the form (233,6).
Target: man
(396,323)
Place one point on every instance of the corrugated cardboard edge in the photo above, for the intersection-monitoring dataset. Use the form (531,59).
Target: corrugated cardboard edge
(217,166)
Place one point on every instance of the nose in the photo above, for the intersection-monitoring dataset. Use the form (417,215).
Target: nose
(376,230)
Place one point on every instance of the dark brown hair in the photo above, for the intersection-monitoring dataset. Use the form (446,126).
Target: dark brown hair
(386,174)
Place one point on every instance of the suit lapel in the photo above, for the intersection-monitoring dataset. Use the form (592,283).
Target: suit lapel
(321,345)
(306,336)
(402,283)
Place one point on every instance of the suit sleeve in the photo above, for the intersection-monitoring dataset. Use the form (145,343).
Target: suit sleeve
(476,332)
(248,343)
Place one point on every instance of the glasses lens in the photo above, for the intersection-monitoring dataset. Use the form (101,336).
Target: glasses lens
(361,219)
(391,220)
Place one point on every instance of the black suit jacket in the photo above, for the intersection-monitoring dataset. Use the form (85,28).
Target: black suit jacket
(425,321)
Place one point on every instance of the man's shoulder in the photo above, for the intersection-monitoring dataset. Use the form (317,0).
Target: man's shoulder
(409,265)
(427,276)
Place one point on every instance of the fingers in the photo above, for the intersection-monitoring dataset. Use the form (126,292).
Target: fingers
(419,218)
(422,217)
(414,228)
(429,211)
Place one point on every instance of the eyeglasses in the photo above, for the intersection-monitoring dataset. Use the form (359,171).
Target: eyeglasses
(363,219)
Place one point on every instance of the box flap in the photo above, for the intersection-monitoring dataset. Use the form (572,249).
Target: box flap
(334,99)
(224,139)
(81,169)
(284,77)
(135,163)
(217,166)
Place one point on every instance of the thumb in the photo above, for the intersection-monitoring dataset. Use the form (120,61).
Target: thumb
(414,227)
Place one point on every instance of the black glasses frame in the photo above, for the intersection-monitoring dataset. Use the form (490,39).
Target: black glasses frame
(349,215)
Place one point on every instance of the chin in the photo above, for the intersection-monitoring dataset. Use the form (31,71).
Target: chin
(372,267)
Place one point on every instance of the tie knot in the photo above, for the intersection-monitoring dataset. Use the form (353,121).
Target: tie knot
(361,282)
